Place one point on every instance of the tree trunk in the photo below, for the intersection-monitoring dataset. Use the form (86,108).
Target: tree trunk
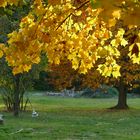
(16,106)
(122,99)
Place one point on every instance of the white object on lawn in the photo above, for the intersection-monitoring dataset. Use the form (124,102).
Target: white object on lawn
(34,114)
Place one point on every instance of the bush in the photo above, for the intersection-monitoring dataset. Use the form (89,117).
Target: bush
(103,92)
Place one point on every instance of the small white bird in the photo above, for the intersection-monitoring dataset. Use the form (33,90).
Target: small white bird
(34,114)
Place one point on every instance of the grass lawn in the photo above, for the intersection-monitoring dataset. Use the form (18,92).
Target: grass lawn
(73,119)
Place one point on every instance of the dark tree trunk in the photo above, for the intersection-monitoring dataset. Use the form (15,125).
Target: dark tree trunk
(122,99)
(16,106)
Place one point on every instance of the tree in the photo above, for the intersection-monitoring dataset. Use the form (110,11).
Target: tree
(13,87)
(129,71)
(82,32)
(63,76)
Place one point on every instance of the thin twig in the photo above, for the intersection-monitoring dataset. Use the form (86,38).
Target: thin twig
(63,21)
(86,2)
(72,13)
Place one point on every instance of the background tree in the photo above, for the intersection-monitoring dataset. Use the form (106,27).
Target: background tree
(13,87)
(62,76)
(129,71)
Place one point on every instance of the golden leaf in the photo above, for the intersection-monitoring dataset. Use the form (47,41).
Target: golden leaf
(26,67)
(124,42)
(120,33)
(117,14)
(1,53)
(115,42)
(78,13)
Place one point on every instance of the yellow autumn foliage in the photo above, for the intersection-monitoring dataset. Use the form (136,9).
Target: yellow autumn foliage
(74,31)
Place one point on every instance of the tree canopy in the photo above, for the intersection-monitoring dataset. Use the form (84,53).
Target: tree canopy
(86,33)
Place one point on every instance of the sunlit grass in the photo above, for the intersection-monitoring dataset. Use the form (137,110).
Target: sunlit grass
(73,119)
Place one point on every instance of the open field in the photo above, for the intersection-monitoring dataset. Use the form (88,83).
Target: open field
(73,119)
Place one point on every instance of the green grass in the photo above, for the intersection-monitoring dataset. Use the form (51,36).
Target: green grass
(73,119)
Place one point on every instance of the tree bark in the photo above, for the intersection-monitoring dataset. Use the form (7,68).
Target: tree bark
(122,97)
(16,105)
